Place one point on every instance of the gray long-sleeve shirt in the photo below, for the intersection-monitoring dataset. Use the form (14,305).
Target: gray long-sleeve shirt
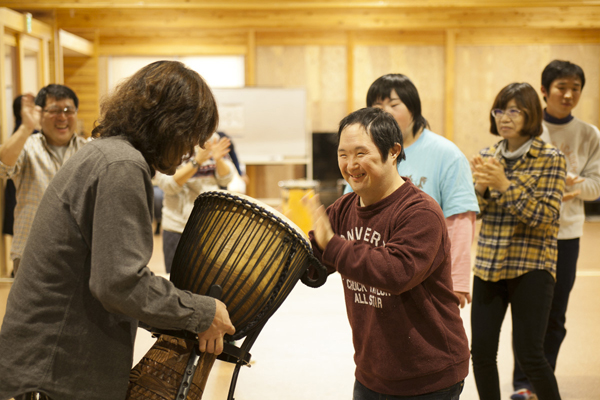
(84,284)
(580,143)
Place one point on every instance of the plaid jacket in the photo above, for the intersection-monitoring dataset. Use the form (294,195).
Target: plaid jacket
(519,227)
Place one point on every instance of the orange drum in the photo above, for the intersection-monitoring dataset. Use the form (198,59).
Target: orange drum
(254,256)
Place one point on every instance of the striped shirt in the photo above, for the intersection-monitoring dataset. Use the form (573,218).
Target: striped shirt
(36,166)
(519,227)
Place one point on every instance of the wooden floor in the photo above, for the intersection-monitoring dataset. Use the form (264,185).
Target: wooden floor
(305,350)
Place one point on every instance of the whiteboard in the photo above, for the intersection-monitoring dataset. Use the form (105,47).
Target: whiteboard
(267,125)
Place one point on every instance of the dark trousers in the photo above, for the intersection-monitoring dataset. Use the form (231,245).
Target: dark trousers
(159,196)
(530,297)
(363,393)
(566,268)
(170,242)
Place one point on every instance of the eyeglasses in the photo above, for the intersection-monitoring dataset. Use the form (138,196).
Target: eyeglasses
(68,111)
(512,113)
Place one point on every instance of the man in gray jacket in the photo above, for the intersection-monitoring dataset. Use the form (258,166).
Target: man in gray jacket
(84,284)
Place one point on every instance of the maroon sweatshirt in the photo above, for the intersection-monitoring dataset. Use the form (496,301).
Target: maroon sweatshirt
(394,259)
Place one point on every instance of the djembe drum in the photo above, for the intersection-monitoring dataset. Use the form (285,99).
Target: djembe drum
(250,257)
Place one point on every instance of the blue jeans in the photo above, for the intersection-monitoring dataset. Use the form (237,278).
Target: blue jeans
(566,268)
(530,297)
(451,393)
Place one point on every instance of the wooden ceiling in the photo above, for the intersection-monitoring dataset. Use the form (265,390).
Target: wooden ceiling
(294,4)
(126,16)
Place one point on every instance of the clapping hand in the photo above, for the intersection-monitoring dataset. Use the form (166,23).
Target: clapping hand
(220,148)
(321,225)
(215,148)
(571,180)
(30,113)
(489,174)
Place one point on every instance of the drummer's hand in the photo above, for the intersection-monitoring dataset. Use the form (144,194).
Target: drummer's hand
(211,340)
(321,225)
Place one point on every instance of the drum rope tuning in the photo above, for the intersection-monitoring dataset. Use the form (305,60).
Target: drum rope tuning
(250,259)
(256,256)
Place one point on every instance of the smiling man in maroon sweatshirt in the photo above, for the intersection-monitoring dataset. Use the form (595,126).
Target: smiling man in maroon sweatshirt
(389,242)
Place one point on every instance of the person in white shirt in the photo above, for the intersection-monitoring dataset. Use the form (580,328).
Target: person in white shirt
(209,169)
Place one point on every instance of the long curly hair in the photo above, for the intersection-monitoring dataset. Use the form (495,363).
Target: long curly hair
(163,108)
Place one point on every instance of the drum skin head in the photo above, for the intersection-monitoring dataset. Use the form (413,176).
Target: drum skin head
(252,252)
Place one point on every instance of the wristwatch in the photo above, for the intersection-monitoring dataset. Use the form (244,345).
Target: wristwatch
(194,163)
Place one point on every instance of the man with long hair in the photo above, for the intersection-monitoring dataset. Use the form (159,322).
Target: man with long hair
(84,284)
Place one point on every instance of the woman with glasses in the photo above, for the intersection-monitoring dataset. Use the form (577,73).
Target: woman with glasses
(519,184)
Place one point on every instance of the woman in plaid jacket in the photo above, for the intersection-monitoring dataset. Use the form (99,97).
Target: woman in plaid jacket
(519,184)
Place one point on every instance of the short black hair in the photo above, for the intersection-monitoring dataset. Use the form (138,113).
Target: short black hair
(380,125)
(382,88)
(59,92)
(561,69)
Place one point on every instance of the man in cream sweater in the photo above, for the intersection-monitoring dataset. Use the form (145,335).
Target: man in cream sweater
(562,84)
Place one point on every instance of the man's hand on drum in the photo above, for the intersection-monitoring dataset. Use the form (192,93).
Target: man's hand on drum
(321,225)
(211,340)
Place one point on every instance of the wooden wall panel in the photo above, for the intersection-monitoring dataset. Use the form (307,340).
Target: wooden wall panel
(81,75)
(493,36)
(424,65)
(327,87)
(320,69)
(281,66)
(482,71)
(418,37)
(300,37)
(264,179)
(173,42)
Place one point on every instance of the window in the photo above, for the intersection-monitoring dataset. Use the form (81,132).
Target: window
(217,71)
